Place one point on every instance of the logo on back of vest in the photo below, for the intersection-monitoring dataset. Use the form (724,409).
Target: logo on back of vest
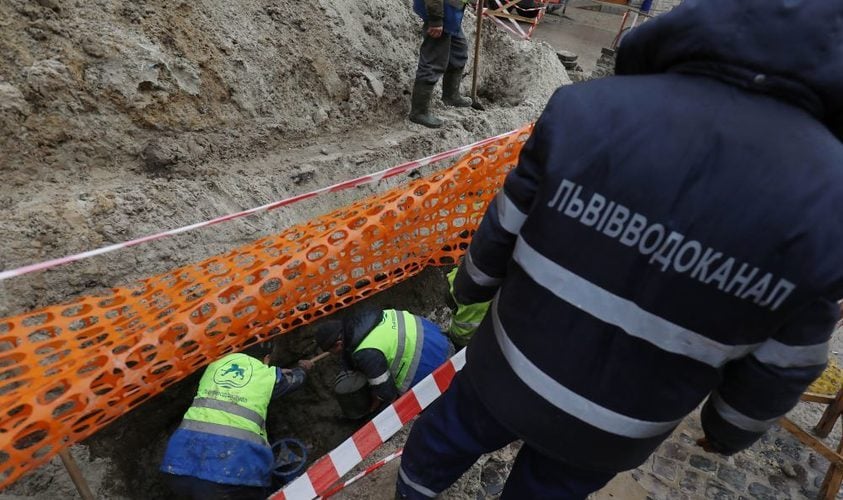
(234,374)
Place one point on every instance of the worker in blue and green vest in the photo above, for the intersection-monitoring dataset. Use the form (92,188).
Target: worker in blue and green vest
(220,450)
(466,317)
(393,349)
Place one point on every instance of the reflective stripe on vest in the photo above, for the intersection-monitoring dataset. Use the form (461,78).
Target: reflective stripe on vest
(400,337)
(229,408)
(404,385)
(232,399)
(222,430)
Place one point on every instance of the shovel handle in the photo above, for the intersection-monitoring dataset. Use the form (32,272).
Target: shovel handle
(319,357)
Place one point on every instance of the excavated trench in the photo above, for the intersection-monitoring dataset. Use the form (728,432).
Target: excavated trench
(135,444)
(118,120)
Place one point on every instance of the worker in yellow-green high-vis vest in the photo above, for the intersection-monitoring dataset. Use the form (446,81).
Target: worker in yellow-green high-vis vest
(393,349)
(220,450)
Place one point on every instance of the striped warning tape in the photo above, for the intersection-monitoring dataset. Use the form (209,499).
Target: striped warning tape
(516,27)
(329,469)
(340,186)
(370,469)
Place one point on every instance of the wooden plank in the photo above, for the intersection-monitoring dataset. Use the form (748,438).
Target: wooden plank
(512,16)
(503,12)
(813,397)
(830,416)
(811,441)
(833,479)
(503,8)
(831,483)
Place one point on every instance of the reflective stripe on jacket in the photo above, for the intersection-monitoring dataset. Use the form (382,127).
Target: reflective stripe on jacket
(232,398)
(222,437)
(637,278)
(400,337)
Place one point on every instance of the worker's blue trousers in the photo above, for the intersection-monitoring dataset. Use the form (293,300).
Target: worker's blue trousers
(452,434)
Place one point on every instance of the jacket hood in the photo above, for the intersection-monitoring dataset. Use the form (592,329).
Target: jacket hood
(790,49)
(357,326)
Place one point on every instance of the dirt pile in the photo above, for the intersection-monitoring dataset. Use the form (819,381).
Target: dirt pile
(122,83)
(120,119)
(93,80)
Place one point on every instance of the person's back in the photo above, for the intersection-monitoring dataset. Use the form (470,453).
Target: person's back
(220,449)
(716,223)
(671,257)
(668,233)
(394,348)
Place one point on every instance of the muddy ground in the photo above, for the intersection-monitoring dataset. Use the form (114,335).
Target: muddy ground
(120,119)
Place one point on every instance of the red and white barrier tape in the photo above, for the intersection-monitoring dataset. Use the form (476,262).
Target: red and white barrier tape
(518,31)
(370,469)
(330,468)
(504,26)
(340,186)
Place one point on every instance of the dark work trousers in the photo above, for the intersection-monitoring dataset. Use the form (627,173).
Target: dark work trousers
(199,489)
(452,434)
(438,54)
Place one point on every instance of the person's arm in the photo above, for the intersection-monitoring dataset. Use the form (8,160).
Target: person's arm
(760,388)
(435,12)
(483,268)
(287,381)
(372,363)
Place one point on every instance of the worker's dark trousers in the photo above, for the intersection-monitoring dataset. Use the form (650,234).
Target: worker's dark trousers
(199,489)
(438,54)
(452,434)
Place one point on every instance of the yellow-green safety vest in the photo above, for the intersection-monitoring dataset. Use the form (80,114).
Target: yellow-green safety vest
(400,337)
(466,318)
(232,399)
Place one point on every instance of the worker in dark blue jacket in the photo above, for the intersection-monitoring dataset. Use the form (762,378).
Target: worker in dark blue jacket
(443,54)
(671,235)
(394,349)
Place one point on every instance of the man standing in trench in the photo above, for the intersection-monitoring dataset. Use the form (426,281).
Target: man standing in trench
(671,235)
(443,54)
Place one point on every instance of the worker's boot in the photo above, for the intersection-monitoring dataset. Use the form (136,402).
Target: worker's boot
(420,105)
(451,89)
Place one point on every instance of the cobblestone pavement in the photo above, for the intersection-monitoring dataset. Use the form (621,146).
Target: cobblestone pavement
(776,467)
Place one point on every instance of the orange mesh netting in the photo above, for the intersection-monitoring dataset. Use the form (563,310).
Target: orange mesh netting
(68,370)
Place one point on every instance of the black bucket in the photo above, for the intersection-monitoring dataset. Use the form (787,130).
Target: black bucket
(352,392)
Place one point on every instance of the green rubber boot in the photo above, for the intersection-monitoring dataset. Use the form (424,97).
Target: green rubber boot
(420,106)
(451,89)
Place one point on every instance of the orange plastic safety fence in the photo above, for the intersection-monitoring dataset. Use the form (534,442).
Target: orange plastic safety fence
(68,370)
